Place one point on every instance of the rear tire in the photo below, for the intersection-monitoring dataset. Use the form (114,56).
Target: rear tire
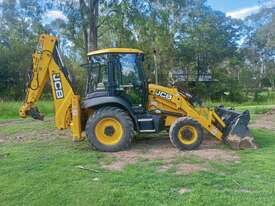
(110,129)
(186,134)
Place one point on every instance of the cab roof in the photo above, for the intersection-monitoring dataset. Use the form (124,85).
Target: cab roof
(114,50)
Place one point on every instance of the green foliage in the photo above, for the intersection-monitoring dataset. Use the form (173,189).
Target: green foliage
(19,25)
(13,72)
(186,36)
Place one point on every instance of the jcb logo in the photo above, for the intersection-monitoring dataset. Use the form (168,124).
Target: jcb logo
(164,95)
(59,94)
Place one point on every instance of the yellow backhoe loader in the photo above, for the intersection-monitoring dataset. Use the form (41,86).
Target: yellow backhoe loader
(119,102)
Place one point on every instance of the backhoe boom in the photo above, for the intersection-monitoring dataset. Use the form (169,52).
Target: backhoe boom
(47,65)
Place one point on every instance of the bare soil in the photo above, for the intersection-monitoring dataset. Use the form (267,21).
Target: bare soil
(34,135)
(28,131)
(186,168)
(265,121)
(147,148)
(181,162)
(184,190)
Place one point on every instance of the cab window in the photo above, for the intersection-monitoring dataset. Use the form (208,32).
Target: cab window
(98,74)
(128,78)
(126,70)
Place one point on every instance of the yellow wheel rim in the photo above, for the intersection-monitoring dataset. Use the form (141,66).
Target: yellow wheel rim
(109,131)
(188,135)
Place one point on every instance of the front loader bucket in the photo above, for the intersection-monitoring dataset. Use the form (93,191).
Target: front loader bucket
(236,122)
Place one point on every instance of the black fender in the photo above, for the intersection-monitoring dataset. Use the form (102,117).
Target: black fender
(110,101)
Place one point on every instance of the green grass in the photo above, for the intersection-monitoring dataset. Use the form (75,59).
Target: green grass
(253,108)
(44,172)
(9,109)
(259,109)
(235,104)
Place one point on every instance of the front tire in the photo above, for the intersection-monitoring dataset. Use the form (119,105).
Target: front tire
(186,134)
(110,129)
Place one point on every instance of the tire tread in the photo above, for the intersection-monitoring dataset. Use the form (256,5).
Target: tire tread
(110,111)
(181,121)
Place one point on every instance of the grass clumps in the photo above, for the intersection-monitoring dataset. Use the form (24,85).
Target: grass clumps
(10,109)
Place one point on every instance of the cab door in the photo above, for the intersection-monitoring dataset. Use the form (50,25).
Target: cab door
(129,80)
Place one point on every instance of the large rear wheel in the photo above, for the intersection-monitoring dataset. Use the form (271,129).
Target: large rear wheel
(186,134)
(110,129)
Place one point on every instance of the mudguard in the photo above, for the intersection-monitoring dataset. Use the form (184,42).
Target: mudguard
(110,101)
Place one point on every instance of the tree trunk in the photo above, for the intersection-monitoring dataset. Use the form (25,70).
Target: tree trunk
(89,15)
(85,36)
(84,25)
(93,19)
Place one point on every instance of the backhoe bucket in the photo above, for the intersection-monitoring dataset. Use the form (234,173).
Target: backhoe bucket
(35,114)
(236,122)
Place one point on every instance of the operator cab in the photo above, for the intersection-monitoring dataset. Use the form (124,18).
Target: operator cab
(118,73)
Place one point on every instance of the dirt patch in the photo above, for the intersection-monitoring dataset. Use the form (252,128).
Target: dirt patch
(165,167)
(19,121)
(160,148)
(122,159)
(184,190)
(4,155)
(148,148)
(39,134)
(222,155)
(21,130)
(34,135)
(186,169)
(265,121)
(2,138)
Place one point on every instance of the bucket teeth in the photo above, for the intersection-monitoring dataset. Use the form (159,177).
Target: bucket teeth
(35,114)
(236,122)
(239,125)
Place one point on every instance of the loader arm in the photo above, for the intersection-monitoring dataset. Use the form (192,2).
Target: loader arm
(47,65)
(173,104)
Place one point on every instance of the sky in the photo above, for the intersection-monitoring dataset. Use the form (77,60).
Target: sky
(238,9)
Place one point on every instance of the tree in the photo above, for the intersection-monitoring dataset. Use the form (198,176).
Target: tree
(89,14)
(186,35)
(85,18)
(19,27)
(259,46)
